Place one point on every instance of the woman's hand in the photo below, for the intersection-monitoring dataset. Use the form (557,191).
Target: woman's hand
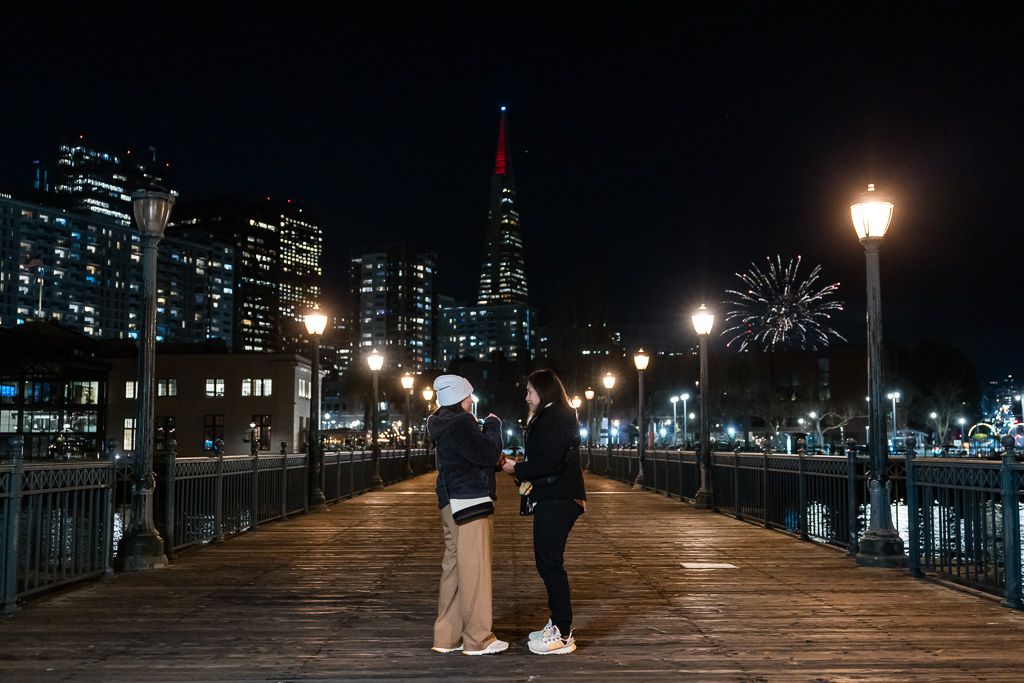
(509,466)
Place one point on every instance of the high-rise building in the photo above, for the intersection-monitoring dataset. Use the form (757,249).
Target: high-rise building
(394,306)
(503,273)
(276,271)
(84,271)
(501,321)
(99,181)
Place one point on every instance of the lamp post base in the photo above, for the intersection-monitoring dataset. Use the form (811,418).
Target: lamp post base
(702,501)
(638,483)
(881,550)
(141,551)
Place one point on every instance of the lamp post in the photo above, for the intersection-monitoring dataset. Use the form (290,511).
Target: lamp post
(428,396)
(315,322)
(376,362)
(675,420)
(407,382)
(609,383)
(1021,399)
(684,398)
(641,360)
(963,435)
(589,393)
(703,321)
(893,396)
(476,400)
(880,545)
(141,547)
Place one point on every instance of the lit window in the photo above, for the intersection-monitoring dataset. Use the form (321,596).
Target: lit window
(131,390)
(214,387)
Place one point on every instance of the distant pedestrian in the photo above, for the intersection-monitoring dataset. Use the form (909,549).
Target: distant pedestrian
(468,455)
(551,482)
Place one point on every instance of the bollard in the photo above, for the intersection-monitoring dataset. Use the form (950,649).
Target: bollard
(10,587)
(913,512)
(1010,500)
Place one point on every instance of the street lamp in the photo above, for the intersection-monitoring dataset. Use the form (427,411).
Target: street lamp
(641,360)
(963,433)
(315,323)
(609,383)
(894,396)
(428,396)
(684,398)
(376,362)
(1021,399)
(703,320)
(881,545)
(476,400)
(577,402)
(589,393)
(141,546)
(407,382)
(674,400)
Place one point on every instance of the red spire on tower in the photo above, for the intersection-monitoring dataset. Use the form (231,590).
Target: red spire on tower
(499,163)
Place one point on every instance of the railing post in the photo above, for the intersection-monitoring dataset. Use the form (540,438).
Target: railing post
(218,499)
(10,587)
(284,485)
(337,474)
(305,475)
(255,522)
(764,485)
(802,479)
(1011,527)
(737,509)
(108,511)
(851,500)
(169,500)
(913,512)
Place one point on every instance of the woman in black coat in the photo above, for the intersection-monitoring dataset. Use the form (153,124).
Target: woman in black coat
(551,481)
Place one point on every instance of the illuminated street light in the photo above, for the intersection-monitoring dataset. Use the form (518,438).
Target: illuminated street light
(315,322)
(376,362)
(674,400)
(589,393)
(407,383)
(641,360)
(684,398)
(703,320)
(894,396)
(609,383)
(880,545)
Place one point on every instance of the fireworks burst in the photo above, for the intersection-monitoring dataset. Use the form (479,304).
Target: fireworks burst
(780,310)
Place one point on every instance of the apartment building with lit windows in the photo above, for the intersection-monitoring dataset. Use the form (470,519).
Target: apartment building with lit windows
(84,271)
(395,307)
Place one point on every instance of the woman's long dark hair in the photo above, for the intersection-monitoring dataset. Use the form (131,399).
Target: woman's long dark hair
(549,388)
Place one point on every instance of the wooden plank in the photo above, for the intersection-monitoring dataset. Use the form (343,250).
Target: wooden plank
(350,594)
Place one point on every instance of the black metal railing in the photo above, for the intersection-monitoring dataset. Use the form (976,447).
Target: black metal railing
(55,524)
(960,517)
(61,521)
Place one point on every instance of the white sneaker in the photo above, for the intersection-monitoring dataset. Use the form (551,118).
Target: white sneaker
(447,649)
(552,643)
(537,635)
(494,648)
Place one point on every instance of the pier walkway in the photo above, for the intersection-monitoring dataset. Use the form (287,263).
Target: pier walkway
(661,592)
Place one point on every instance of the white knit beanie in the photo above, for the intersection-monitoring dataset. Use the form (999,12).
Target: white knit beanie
(452,389)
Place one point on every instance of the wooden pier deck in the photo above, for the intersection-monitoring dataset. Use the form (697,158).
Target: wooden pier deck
(661,592)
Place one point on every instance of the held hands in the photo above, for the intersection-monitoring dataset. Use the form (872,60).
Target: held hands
(509,465)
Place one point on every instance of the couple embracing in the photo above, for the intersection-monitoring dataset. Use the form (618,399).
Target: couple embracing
(551,484)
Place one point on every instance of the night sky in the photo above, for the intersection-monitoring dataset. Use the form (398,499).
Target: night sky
(657,151)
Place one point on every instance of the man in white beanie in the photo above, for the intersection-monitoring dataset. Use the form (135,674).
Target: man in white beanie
(468,455)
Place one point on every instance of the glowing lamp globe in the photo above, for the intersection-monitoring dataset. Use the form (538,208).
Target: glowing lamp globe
(703,320)
(871,215)
(315,321)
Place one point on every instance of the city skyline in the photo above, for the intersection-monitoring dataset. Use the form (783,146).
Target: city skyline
(656,156)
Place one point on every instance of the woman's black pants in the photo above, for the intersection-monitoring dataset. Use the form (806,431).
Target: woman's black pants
(552,521)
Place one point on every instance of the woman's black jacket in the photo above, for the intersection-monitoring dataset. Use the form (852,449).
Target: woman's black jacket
(467,454)
(553,448)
